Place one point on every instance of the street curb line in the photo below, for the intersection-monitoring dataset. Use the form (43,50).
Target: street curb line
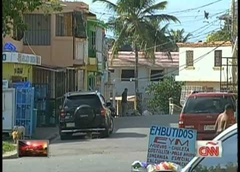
(52,137)
(10,155)
(13,154)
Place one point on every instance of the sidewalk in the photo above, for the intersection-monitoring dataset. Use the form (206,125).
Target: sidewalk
(41,133)
(45,133)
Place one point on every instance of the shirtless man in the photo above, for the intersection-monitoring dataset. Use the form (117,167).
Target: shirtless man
(224,119)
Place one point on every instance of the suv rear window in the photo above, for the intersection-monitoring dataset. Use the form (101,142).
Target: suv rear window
(214,104)
(75,101)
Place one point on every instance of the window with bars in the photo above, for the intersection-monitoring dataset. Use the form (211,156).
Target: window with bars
(156,75)
(64,24)
(38,29)
(189,59)
(80,25)
(93,40)
(126,75)
(217,58)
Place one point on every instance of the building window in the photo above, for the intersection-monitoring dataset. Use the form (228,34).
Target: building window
(189,58)
(92,44)
(93,40)
(64,24)
(79,25)
(111,70)
(156,75)
(126,75)
(38,29)
(217,58)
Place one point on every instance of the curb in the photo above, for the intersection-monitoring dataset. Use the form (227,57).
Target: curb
(52,137)
(10,155)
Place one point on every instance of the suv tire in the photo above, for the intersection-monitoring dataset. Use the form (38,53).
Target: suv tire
(105,133)
(111,126)
(108,130)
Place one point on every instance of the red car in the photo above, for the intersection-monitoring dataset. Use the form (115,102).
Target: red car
(201,110)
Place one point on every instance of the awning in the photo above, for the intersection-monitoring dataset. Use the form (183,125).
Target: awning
(51,68)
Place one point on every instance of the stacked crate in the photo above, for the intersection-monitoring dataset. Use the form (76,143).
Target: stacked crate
(24,106)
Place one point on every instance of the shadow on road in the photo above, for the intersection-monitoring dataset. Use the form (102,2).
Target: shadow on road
(73,139)
(128,123)
(118,135)
(144,121)
(127,135)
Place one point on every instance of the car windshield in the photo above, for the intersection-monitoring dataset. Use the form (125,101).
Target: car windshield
(75,101)
(212,104)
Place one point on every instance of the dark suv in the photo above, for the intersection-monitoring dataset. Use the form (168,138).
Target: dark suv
(85,112)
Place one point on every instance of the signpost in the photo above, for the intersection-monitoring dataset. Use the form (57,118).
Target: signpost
(209,149)
(175,145)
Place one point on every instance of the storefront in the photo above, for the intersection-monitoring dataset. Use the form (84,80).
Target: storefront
(18,67)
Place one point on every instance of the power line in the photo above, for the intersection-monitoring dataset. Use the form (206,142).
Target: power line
(191,9)
(203,27)
(172,41)
(196,8)
(194,61)
(191,21)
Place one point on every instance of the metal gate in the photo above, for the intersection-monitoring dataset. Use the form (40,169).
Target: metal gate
(40,102)
(24,109)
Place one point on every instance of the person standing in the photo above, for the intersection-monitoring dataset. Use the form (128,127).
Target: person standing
(224,119)
(124,102)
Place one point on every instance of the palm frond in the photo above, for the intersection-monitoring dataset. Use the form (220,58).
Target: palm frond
(164,28)
(118,41)
(162,17)
(187,37)
(159,6)
(109,4)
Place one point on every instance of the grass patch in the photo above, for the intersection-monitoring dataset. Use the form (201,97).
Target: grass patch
(7,147)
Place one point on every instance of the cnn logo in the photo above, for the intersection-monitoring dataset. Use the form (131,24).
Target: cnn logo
(209,148)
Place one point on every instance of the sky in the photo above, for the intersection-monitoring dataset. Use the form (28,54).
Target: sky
(192,20)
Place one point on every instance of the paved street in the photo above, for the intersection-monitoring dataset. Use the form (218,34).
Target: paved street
(128,143)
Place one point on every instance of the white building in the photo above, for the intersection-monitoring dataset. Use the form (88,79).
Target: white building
(122,71)
(200,64)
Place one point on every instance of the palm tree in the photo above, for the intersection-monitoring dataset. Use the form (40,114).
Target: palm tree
(178,36)
(132,24)
(133,18)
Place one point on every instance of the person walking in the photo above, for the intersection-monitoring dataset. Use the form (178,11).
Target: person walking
(124,102)
(224,119)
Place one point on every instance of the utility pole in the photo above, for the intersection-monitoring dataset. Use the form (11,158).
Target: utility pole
(136,76)
(234,39)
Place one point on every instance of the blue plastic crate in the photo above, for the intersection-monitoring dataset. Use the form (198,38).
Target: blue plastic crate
(34,120)
(22,85)
(24,109)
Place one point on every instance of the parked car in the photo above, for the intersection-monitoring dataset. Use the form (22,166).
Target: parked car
(85,112)
(201,110)
(229,160)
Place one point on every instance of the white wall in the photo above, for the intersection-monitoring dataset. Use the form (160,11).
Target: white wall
(144,80)
(82,50)
(120,85)
(99,39)
(204,68)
